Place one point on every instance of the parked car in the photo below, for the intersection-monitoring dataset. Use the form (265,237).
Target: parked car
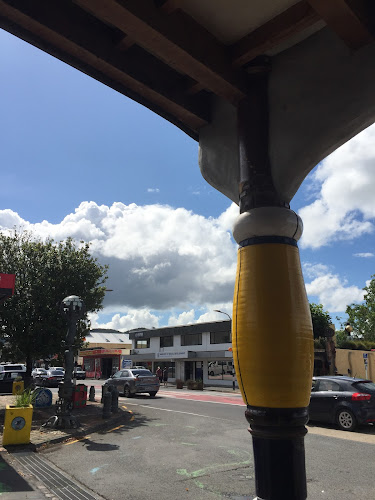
(12,367)
(345,401)
(38,374)
(54,377)
(61,368)
(79,373)
(7,379)
(134,381)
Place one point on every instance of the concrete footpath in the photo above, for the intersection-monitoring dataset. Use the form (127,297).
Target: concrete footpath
(20,467)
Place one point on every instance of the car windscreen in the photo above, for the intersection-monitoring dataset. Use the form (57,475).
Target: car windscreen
(11,368)
(142,373)
(367,386)
(57,373)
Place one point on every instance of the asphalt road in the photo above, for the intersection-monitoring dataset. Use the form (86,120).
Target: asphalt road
(177,448)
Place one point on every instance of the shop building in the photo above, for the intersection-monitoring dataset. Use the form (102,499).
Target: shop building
(200,351)
(105,353)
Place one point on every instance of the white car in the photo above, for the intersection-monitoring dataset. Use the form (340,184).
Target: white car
(39,373)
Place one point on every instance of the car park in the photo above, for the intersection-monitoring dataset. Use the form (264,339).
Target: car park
(134,381)
(344,401)
(53,378)
(61,368)
(7,379)
(39,374)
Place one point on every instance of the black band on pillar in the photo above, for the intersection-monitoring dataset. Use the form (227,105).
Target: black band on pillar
(259,240)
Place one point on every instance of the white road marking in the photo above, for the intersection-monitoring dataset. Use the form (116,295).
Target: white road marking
(178,411)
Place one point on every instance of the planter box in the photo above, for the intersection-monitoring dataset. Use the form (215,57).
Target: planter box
(17,424)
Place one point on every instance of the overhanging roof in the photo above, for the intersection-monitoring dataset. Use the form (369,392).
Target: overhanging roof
(194,61)
(173,55)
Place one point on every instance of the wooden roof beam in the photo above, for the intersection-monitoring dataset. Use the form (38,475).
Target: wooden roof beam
(350,20)
(290,22)
(177,39)
(54,32)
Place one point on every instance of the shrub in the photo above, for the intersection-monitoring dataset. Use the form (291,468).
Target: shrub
(199,385)
(26,398)
(190,384)
(348,344)
(319,343)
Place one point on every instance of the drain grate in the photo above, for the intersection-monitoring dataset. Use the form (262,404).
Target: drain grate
(59,484)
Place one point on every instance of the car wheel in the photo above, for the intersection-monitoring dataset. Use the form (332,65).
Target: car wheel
(126,391)
(152,394)
(346,420)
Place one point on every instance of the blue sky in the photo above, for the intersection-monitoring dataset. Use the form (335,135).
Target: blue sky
(80,159)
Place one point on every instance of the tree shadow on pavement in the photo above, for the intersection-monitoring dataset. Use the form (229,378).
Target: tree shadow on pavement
(10,480)
(136,420)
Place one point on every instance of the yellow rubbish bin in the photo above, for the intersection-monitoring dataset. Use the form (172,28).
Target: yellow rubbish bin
(18,387)
(17,424)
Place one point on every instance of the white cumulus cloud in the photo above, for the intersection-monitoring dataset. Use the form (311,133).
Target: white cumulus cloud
(364,255)
(159,257)
(345,207)
(333,292)
(153,190)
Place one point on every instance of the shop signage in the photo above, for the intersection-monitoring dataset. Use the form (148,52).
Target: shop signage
(175,354)
(100,352)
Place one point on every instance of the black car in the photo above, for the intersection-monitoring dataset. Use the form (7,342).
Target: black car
(7,379)
(345,401)
(53,378)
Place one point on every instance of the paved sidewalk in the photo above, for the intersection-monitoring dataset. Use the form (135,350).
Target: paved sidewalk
(20,483)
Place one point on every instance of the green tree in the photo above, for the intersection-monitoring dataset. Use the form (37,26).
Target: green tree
(321,321)
(32,326)
(362,316)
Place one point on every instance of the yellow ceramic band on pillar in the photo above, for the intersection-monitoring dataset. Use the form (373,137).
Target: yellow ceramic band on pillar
(272,331)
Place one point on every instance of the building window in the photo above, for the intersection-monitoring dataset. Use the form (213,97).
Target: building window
(142,344)
(191,339)
(220,338)
(166,341)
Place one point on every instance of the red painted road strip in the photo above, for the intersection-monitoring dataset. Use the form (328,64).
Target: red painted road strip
(208,398)
(224,398)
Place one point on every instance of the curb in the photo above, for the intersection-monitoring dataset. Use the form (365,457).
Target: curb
(77,434)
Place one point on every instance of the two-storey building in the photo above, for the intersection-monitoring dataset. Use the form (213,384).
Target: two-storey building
(200,351)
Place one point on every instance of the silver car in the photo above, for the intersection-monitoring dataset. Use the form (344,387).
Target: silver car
(39,373)
(130,382)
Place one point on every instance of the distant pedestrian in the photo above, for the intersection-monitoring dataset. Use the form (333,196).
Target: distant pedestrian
(165,377)
(159,374)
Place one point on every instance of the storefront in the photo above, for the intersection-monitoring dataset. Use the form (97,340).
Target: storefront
(102,363)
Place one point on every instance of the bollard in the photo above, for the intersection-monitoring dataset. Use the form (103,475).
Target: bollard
(92,394)
(114,402)
(107,398)
(104,390)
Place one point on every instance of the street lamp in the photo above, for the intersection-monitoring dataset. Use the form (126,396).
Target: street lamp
(348,329)
(73,309)
(222,312)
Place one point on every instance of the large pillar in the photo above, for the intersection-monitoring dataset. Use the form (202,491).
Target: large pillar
(272,331)
(273,347)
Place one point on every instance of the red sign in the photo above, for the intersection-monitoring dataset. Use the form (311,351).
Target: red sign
(100,352)
(7,282)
